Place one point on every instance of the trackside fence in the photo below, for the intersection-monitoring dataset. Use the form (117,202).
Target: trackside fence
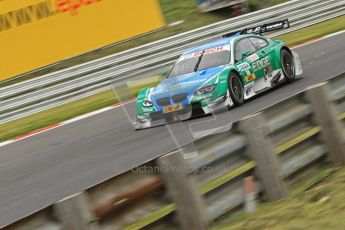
(280,147)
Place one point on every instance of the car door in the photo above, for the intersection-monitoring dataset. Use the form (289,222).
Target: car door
(244,65)
(263,68)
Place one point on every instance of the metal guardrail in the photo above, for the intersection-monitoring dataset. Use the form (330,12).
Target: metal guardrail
(83,80)
(295,139)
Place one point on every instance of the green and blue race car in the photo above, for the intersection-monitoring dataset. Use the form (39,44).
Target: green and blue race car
(217,75)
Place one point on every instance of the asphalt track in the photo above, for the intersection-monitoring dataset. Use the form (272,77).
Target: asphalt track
(40,170)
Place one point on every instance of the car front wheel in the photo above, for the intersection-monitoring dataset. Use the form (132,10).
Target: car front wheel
(288,65)
(236,89)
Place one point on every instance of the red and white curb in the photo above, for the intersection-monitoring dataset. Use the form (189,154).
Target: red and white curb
(45,129)
(307,43)
(42,130)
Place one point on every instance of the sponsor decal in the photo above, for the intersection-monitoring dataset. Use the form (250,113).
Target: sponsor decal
(267,27)
(275,26)
(172,108)
(254,30)
(250,77)
(262,63)
(207,51)
(249,91)
(243,66)
(72,6)
(38,11)
(253,57)
(268,73)
(268,70)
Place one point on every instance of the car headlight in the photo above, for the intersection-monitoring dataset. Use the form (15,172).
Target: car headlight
(206,89)
(147,103)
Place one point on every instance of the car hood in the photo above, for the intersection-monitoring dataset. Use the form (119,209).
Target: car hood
(187,83)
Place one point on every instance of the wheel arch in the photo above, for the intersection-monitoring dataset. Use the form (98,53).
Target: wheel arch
(286,48)
(236,72)
(277,61)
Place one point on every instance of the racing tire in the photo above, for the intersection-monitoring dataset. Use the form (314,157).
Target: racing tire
(236,89)
(288,65)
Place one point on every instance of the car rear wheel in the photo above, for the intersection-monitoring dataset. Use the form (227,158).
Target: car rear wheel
(236,89)
(288,65)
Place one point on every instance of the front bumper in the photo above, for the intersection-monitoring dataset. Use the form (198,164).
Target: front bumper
(159,118)
(219,105)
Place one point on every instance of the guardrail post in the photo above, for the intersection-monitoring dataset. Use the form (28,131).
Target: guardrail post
(326,117)
(260,149)
(191,212)
(74,213)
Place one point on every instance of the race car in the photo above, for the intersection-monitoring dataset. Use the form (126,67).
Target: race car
(217,75)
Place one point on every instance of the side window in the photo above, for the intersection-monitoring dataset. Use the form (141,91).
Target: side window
(241,46)
(259,43)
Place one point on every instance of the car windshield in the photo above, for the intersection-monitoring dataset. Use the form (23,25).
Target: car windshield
(214,59)
(184,66)
(201,60)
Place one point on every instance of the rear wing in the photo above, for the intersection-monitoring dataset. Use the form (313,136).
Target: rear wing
(268,27)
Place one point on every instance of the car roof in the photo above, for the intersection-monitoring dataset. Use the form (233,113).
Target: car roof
(213,44)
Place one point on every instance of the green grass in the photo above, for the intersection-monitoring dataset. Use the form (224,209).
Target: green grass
(173,10)
(73,109)
(320,205)
(52,116)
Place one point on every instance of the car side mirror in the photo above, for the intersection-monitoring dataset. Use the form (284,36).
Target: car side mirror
(245,54)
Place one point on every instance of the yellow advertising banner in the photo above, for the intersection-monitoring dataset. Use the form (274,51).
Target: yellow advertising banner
(36,33)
